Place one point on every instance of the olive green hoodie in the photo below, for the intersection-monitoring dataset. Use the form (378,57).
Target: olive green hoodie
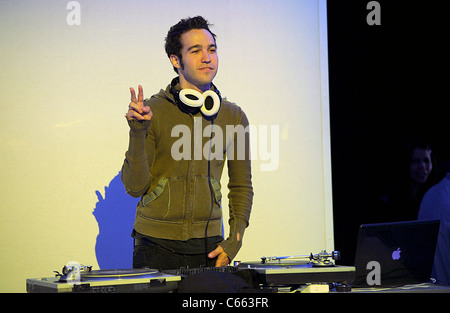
(167,166)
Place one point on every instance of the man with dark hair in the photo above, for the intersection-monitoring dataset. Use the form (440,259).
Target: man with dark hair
(173,40)
(179,218)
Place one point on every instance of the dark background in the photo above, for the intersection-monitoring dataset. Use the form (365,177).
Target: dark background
(386,87)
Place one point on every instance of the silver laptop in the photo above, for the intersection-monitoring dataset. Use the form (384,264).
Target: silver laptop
(395,254)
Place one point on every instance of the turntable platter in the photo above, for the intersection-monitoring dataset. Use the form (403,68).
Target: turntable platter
(118,273)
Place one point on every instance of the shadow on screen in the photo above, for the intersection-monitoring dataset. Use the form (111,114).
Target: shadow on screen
(115,217)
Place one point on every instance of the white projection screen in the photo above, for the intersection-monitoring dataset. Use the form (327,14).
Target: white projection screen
(66,69)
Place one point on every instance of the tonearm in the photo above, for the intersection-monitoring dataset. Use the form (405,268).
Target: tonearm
(319,259)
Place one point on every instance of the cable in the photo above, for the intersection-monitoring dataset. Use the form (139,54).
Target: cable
(211,192)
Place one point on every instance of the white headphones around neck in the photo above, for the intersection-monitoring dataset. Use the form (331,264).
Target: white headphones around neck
(208,102)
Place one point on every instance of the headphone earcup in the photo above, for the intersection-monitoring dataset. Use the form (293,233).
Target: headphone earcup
(211,104)
(191,97)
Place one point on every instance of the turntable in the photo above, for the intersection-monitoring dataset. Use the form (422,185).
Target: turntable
(79,278)
(301,269)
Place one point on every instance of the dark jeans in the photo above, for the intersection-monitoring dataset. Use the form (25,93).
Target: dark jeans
(154,256)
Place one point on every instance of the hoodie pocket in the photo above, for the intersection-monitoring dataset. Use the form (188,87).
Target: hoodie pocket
(165,202)
(202,199)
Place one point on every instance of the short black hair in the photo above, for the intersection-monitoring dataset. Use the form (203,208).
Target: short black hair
(173,39)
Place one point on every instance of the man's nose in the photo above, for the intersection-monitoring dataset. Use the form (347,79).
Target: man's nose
(206,58)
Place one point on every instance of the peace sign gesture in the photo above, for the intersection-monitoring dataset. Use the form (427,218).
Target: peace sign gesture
(136,108)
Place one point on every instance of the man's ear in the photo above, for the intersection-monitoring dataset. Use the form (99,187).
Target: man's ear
(175,61)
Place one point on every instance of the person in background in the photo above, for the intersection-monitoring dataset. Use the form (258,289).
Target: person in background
(436,205)
(416,174)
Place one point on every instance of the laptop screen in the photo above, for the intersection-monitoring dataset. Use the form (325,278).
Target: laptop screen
(395,254)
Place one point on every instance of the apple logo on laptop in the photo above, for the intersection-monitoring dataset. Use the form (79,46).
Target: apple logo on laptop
(396,254)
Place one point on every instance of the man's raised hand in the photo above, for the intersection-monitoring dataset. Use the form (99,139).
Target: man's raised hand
(136,108)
